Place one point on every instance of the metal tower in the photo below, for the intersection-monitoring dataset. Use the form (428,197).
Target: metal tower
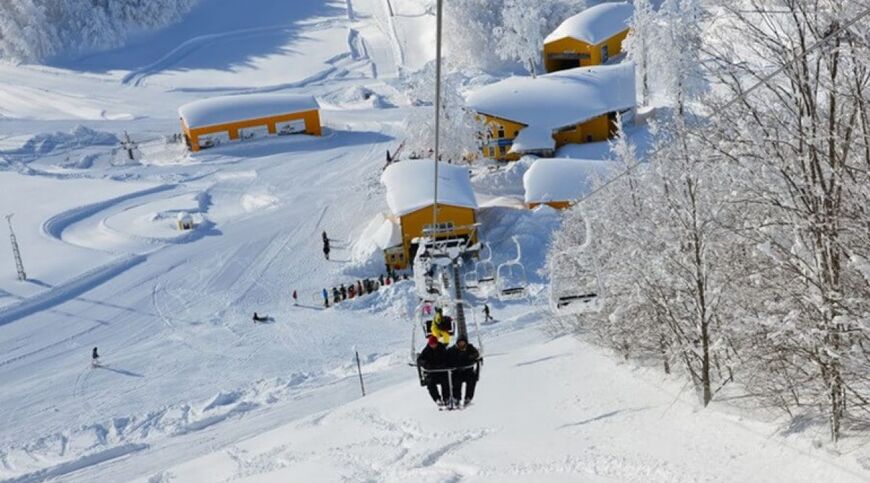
(19,265)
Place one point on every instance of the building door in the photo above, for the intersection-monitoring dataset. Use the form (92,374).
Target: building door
(604,54)
(213,139)
(295,126)
(251,133)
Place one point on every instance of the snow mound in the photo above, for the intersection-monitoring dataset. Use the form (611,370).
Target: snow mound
(259,201)
(396,301)
(78,137)
(357,97)
(379,234)
(63,452)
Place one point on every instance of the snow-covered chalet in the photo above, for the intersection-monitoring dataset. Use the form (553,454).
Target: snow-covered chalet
(591,37)
(410,188)
(559,182)
(526,115)
(217,120)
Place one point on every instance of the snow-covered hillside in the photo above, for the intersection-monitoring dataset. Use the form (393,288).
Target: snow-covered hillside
(190,388)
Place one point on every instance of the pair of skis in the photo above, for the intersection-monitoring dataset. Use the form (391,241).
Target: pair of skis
(453,406)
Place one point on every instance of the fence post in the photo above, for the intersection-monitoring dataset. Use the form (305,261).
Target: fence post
(359,371)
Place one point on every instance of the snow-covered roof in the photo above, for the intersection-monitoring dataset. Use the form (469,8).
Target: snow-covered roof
(411,184)
(533,138)
(595,24)
(226,109)
(563,179)
(559,99)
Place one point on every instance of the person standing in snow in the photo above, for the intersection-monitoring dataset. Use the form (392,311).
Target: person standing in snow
(433,357)
(95,358)
(461,356)
(325,238)
(325,299)
(336,295)
(326,250)
(486,313)
(343,291)
(295,300)
(351,291)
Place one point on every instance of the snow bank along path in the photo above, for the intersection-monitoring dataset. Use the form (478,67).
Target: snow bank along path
(546,410)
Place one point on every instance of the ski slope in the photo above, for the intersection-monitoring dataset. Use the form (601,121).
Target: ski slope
(191,389)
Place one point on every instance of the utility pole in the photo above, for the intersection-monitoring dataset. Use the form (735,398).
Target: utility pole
(128,146)
(16,253)
(437,110)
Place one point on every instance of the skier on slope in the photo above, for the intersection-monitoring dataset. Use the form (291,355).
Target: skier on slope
(325,238)
(325,298)
(260,318)
(434,357)
(295,300)
(461,356)
(326,250)
(486,313)
(95,358)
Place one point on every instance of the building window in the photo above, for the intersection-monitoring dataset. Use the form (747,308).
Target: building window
(501,133)
(604,55)
(439,229)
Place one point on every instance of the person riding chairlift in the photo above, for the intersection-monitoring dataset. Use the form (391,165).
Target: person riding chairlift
(442,326)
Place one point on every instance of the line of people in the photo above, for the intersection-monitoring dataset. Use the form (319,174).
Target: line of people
(447,369)
(358,289)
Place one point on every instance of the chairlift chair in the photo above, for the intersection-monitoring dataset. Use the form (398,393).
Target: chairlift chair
(577,288)
(470,280)
(510,277)
(575,295)
(484,267)
(423,322)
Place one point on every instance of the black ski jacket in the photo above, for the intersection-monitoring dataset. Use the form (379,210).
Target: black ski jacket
(433,358)
(462,358)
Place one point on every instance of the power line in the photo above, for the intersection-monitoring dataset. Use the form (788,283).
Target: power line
(742,95)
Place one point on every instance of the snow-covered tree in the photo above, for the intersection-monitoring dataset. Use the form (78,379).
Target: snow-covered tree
(642,38)
(460,127)
(676,58)
(468,33)
(32,30)
(520,37)
(803,139)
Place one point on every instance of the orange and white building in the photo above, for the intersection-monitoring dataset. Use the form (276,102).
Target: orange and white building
(592,37)
(210,122)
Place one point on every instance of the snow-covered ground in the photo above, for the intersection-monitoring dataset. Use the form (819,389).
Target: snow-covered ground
(191,389)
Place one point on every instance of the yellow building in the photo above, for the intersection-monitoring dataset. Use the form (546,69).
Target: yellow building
(410,189)
(526,115)
(591,37)
(217,120)
(559,182)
